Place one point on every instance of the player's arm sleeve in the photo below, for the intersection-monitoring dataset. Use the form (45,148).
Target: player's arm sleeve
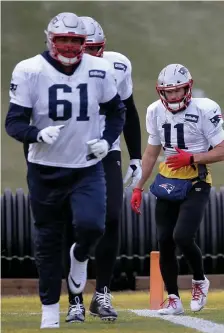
(213,126)
(17,122)
(114,110)
(132,129)
(154,138)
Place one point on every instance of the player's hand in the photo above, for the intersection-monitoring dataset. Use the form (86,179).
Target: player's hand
(49,134)
(180,160)
(136,200)
(134,173)
(99,148)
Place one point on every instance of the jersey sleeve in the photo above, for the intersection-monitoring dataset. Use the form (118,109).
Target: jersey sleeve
(109,88)
(213,125)
(154,137)
(19,87)
(125,88)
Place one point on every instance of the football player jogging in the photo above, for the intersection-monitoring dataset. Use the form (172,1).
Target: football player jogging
(107,248)
(185,128)
(54,107)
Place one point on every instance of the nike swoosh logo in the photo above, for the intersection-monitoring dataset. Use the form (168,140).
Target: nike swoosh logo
(201,301)
(77,285)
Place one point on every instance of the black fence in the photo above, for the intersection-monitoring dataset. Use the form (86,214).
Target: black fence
(137,240)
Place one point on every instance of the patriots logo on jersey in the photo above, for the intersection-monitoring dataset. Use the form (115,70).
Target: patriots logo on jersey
(13,87)
(120,66)
(97,73)
(168,187)
(216,119)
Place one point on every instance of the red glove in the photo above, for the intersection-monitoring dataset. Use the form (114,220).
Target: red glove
(180,160)
(136,200)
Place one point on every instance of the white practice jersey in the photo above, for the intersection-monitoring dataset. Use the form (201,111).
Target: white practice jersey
(121,66)
(194,130)
(59,99)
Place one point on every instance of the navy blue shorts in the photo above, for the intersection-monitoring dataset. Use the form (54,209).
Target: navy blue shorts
(59,194)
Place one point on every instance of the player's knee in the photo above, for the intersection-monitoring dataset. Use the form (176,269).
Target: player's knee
(182,240)
(92,216)
(92,225)
(88,236)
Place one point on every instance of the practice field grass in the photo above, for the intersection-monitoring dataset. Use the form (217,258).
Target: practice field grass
(22,315)
(151,33)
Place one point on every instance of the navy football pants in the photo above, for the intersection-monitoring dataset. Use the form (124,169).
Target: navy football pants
(107,248)
(77,194)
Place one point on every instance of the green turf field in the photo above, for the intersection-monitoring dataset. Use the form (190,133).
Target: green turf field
(22,315)
(151,34)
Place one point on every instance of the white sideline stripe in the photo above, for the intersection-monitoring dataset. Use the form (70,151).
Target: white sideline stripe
(202,325)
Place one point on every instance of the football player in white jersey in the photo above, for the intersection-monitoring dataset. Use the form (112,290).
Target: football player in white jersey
(185,128)
(107,248)
(55,99)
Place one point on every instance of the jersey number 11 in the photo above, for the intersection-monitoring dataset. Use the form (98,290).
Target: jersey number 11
(180,135)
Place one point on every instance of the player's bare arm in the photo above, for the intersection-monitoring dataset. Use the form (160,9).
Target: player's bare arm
(212,156)
(148,161)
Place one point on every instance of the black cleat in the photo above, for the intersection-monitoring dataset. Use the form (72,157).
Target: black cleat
(101,306)
(76,312)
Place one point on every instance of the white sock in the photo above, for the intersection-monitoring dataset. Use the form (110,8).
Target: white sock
(50,314)
(51,308)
